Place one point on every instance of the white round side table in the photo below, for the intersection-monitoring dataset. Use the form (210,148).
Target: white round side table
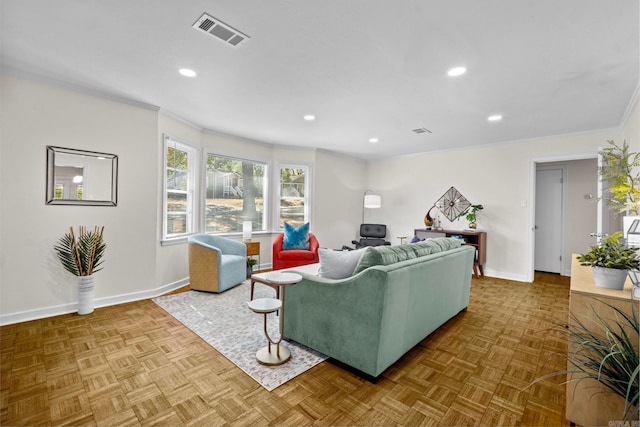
(269,305)
(264,355)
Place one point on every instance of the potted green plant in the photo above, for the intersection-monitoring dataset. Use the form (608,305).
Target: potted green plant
(610,261)
(82,256)
(620,171)
(250,263)
(605,350)
(470,214)
(610,355)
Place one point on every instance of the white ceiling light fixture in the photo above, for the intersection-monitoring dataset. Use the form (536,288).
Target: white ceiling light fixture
(221,31)
(309,117)
(187,72)
(494,118)
(373,140)
(456,71)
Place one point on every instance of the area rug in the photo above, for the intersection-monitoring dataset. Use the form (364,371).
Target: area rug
(227,324)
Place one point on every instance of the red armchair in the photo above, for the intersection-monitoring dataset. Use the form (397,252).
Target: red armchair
(294,257)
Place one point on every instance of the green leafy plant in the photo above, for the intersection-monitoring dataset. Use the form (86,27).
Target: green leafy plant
(619,170)
(251,262)
(609,356)
(471,212)
(81,255)
(612,253)
(606,351)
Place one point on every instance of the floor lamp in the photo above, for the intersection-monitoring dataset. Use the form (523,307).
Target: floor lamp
(371,201)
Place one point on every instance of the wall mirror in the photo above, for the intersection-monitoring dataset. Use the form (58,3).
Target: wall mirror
(79,177)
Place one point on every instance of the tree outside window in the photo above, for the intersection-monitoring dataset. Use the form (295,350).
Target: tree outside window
(234,193)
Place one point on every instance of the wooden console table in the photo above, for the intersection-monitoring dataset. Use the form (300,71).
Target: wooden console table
(471,238)
(589,403)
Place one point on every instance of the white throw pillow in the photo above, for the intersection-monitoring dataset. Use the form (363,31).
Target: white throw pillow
(338,264)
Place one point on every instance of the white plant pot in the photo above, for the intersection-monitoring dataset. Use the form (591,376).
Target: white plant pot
(85,294)
(612,278)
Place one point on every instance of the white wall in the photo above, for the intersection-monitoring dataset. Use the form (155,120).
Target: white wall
(338,188)
(497,176)
(35,115)
(581,213)
(631,132)
(172,261)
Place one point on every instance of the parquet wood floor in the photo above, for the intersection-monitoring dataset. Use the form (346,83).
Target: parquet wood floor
(134,364)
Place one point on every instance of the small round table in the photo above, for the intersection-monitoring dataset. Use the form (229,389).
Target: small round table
(269,305)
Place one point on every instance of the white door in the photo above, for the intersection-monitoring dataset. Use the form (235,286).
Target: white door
(548,220)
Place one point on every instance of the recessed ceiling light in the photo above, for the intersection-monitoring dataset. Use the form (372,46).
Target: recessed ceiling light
(309,117)
(187,72)
(495,118)
(457,71)
(373,140)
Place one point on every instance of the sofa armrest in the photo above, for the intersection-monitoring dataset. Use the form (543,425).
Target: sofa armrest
(314,245)
(339,318)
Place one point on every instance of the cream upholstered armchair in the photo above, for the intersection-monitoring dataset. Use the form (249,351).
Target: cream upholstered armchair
(216,263)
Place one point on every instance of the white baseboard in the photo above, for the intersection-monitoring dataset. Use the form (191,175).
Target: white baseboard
(505,276)
(41,313)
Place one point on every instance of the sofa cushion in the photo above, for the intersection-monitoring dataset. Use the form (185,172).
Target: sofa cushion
(338,264)
(295,238)
(439,244)
(385,255)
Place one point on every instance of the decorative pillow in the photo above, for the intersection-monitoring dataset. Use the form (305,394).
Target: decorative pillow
(338,264)
(295,238)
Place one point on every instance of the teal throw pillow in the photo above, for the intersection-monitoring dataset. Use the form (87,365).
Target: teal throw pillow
(296,238)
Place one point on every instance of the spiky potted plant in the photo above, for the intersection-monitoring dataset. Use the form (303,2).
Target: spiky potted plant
(603,347)
(606,350)
(82,256)
(611,261)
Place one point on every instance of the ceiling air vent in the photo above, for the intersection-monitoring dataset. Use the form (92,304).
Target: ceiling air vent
(218,29)
(421,130)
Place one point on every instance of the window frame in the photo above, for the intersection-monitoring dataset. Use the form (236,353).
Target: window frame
(193,180)
(307,191)
(266,192)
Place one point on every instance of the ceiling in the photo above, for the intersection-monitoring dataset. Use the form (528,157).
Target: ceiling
(365,68)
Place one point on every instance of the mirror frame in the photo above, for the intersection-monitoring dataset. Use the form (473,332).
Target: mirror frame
(51,163)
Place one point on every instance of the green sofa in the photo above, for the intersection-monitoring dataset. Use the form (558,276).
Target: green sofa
(396,297)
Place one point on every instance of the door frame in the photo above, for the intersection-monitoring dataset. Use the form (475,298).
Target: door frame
(533,164)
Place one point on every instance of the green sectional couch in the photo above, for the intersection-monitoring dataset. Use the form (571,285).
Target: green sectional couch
(396,297)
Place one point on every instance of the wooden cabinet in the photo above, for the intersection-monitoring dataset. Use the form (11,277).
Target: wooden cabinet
(589,403)
(472,238)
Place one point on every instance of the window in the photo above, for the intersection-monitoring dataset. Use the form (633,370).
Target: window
(294,190)
(235,190)
(179,183)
